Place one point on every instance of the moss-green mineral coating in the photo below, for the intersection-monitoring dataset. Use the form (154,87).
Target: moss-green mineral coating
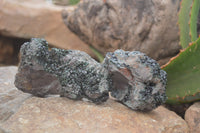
(132,77)
(75,73)
(137,80)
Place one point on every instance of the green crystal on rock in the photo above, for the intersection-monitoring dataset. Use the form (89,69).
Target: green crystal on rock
(69,73)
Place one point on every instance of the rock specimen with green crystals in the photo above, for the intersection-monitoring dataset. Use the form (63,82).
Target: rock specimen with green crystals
(133,78)
(69,73)
(137,80)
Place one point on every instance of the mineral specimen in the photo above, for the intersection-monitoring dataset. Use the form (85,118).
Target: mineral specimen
(133,78)
(137,80)
(69,73)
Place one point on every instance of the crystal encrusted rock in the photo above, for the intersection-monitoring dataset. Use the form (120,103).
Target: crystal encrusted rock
(137,80)
(69,73)
(133,78)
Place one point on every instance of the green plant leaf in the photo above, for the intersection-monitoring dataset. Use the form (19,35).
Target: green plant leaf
(183,74)
(183,21)
(97,53)
(74,2)
(193,19)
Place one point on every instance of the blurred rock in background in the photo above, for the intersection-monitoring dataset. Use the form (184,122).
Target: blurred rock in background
(192,117)
(37,18)
(146,26)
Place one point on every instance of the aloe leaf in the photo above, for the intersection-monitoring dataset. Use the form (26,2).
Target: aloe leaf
(183,72)
(193,19)
(98,54)
(74,2)
(183,21)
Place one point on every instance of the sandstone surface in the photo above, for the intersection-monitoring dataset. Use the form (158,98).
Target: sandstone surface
(192,117)
(63,115)
(10,97)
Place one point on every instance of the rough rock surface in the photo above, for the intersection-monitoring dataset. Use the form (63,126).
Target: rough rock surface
(37,18)
(70,73)
(137,80)
(10,97)
(192,117)
(142,25)
(62,115)
(2,131)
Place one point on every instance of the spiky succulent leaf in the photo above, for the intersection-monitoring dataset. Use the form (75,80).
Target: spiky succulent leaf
(193,19)
(98,54)
(74,2)
(183,72)
(183,20)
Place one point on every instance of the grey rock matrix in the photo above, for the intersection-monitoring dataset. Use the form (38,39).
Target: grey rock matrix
(133,78)
(70,73)
(137,80)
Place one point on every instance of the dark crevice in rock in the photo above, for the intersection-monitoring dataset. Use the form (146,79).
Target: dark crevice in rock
(179,109)
(9,50)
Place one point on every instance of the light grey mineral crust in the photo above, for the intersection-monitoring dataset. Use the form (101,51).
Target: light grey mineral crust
(137,80)
(70,73)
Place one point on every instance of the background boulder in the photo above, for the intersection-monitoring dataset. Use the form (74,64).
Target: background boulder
(146,26)
(37,18)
